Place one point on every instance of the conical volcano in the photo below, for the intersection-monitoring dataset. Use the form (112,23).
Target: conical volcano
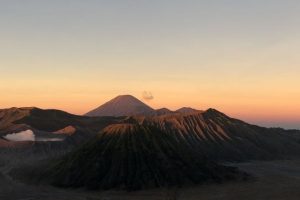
(132,156)
(123,105)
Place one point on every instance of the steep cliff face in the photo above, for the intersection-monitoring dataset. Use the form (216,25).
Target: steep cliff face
(133,156)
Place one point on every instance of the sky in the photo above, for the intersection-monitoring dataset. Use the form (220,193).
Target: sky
(238,56)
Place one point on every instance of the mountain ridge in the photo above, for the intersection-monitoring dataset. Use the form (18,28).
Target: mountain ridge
(145,151)
(211,132)
(132,157)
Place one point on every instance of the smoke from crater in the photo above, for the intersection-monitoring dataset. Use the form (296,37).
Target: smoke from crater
(147,96)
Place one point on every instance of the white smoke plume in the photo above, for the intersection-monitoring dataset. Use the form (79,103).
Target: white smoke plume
(147,96)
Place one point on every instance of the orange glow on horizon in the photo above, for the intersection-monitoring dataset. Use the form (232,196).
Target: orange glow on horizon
(260,112)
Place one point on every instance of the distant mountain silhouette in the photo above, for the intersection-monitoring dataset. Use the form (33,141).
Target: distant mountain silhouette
(186,110)
(163,111)
(123,105)
(127,105)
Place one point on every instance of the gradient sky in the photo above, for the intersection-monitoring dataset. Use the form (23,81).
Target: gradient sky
(238,56)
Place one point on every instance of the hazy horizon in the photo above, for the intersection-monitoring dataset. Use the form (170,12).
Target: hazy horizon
(240,57)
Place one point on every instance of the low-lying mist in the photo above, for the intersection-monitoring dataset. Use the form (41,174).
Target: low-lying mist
(27,135)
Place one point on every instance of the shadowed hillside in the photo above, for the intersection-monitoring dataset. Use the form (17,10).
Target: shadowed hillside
(72,129)
(132,156)
(220,137)
(138,152)
(16,119)
(211,132)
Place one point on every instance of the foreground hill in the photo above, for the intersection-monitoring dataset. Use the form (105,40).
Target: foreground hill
(133,156)
(144,151)
(9,144)
(166,150)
